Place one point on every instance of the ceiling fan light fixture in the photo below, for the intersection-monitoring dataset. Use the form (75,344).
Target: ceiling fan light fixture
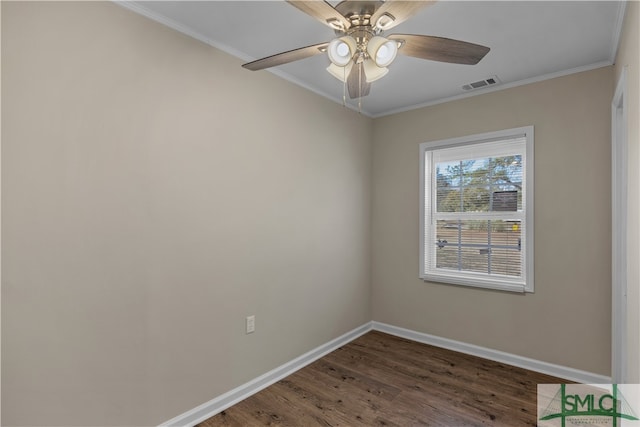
(341,50)
(340,73)
(382,51)
(372,72)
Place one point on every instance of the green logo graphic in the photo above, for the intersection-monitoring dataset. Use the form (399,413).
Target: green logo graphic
(586,404)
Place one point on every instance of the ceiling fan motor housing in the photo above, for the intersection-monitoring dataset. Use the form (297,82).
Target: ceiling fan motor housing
(358,12)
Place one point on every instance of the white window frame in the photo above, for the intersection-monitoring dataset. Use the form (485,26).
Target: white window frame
(505,283)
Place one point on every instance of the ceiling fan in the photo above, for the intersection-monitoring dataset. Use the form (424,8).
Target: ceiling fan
(360,54)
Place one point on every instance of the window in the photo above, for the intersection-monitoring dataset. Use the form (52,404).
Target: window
(477,210)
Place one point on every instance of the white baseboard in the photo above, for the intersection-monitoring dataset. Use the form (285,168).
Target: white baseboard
(495,355)
(224,401)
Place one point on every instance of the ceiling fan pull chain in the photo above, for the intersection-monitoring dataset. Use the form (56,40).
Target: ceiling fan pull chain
(344,87)
(360,88)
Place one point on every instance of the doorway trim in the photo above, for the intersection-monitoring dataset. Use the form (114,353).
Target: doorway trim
(619,201)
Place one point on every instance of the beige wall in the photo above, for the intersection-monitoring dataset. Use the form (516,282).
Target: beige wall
(567,320)
(154,194)
(628,57)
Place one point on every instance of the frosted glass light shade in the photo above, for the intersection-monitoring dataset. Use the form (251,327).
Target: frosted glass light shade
(341,50)
(340,73)
(382,51)
(372,72)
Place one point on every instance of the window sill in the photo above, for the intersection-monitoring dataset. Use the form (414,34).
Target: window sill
(478,282)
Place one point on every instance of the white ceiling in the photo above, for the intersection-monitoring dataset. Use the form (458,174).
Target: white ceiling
(529,41)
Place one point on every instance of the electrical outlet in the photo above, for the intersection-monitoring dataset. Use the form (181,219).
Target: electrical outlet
(251,324)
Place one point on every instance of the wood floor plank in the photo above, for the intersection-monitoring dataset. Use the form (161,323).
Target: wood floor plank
(383,380)
(324,368)
(453,381)
(415,380)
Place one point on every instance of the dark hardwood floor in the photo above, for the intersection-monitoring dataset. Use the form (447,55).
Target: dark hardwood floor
(382,380)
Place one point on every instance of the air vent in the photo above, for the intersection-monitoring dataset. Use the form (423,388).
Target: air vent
(482,83)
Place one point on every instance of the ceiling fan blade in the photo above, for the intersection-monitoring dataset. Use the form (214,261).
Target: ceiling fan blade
(323,12)
(357,82)
(286,57)
(440,49)
(400,11)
